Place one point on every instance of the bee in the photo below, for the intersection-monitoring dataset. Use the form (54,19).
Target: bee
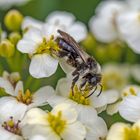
(85,67)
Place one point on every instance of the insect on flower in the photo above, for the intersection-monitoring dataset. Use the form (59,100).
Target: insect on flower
(86,68)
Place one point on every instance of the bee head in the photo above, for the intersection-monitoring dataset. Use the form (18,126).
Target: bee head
(94,79)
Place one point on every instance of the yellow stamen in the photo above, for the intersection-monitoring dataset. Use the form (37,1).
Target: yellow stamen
(25,98)
(79,96)
(132,91)
(48,46)
(56,122)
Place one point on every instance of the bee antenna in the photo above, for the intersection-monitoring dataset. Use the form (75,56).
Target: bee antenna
(100,90)
(91,92)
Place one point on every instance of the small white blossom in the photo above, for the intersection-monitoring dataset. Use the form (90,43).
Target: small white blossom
(66,22)
(60,123)
(39,44)
(11,125)
(103,25)
(122,131)
(20,101)
(129,107)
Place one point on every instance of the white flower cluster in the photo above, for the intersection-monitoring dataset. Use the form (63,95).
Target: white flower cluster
(73,116)
(63,112)
(118,20)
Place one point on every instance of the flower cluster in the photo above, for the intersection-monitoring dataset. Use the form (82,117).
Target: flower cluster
(37,103)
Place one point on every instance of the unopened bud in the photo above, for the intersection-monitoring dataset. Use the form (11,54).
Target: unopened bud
(14,37)
(13,20)
(7,49)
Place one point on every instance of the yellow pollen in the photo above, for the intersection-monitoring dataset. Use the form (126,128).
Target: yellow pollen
(25,98)
(56,122)
(48,46)
(132,133)
(79,96)
(132,91)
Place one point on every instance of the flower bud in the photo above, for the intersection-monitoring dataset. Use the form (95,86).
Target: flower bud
(7,49)
(14,37)
(13,20)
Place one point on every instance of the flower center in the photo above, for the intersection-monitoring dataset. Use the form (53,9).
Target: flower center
(56,122)
(79,96)
(48,46)
(12,126)
(130,91)
(25,98)
(132,133)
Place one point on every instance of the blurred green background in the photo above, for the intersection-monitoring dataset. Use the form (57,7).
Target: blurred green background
(82,9)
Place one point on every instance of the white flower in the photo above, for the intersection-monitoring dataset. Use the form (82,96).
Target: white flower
(29,22)
(4,4)
(95,126)
(20,101)
(122,131)
(66,22)
(60,123)
(103,24)
(130,20)
(129,107)
(39,44)
(11,125)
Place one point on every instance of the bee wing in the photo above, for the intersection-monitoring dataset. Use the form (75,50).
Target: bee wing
(71,41)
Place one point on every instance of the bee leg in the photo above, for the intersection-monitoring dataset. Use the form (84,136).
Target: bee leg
(83,84)
(74,82)
(91,92)
(100,90)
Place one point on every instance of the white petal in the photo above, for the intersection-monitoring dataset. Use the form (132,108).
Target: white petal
(26,46)
(68,113)
(117,131)
(129,109)
(42,95)
(56,100)
(130,20)
(96,129)
(9,106)
(19,87)
(63,87)
(110,8)
(31,22)
(113,108)
(78,31)
(35,116)
(43,65)
(58,17)
(87,114)
(111,95)
(5,135)
(65,66)
(75,131)
(39,131)
(98,101)
(103,29)
(34,35)
(7,86)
